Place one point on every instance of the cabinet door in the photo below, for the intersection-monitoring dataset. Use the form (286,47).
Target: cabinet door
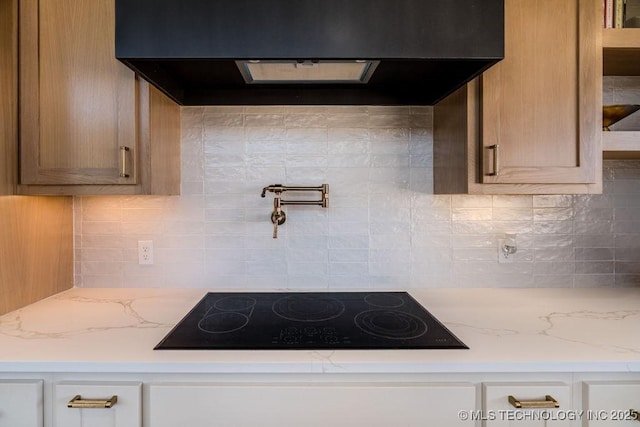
(8,96)
(125,412)
(78,103)
(304,405)
(611,403)
(21,403)
(499,411)
(541,117)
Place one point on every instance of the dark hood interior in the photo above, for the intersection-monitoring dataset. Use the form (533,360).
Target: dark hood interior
(422,49)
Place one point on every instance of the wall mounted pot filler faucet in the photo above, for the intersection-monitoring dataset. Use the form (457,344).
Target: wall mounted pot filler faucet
(278,216)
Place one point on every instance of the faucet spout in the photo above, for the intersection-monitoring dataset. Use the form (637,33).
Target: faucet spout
(276,188)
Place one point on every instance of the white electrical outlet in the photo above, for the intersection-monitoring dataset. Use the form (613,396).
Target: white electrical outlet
(501,258)
(145,252)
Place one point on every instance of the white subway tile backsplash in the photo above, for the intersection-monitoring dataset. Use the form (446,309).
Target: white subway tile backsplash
(595,267)
(222,120)
(474,241)
(192,188)
(553,214)
(259,120)
(512,214)
(548,254)
(348,241)
(512,201)
(348,255)
(552,241)
(472,214)
(594,254)
(298,160)
(555,227)
(101,227)
(593,227)
(384,228)
(593,280)
(350,269)
(553,268)
(467,201)
(593,241)
(627,227)
(552,201)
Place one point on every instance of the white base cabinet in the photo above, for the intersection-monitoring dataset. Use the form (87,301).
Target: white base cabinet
(310,400)
(310,405)
(94,404)
(507,404)
(21,403)
(611,403)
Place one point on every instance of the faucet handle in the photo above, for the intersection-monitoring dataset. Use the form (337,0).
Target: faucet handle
(278,217)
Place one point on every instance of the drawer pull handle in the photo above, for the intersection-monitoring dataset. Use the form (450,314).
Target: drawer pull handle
(548,402)
(496,160)
(79,402)
(123,162)
(635,415)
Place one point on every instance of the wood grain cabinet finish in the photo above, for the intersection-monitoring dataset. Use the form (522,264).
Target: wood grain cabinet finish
(8,96)
(531,124)
(85,119)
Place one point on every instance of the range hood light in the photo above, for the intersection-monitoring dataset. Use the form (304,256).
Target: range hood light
(356,71)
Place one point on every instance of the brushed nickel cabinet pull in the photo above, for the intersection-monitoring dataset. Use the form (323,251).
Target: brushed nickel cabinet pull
(548,402)
(496,160)
(79,402)
(123,162)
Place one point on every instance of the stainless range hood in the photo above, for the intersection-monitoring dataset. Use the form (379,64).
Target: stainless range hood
(309,52)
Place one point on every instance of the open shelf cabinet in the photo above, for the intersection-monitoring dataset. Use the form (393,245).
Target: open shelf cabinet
(621,57)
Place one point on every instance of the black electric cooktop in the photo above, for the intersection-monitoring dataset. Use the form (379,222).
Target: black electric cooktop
(308,320)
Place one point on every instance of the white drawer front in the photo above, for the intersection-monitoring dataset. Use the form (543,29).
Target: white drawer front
(21,403)
(126,412)
(306,405)
(611,403)
(498,412)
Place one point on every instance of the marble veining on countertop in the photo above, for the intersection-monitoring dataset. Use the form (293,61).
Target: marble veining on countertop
(507,330)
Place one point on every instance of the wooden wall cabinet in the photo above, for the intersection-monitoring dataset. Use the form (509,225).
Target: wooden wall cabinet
(36,236)
(531,124)
(8,96)
(87,124)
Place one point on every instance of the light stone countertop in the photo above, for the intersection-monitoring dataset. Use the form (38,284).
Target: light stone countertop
(507,330)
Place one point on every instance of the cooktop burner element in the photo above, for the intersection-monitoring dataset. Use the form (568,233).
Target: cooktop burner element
(308,308)
(308,320)
(394,325)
